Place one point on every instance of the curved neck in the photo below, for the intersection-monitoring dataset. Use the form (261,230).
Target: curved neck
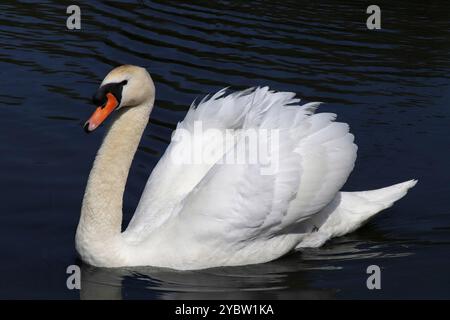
(101,213)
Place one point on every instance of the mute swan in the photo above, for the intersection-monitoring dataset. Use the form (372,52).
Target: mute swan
(208,214)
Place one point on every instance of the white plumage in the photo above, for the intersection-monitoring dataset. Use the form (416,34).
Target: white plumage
(200,215)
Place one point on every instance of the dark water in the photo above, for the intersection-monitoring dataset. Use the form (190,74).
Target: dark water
(392,86)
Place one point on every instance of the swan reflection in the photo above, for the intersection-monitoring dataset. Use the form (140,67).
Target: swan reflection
(291,277)
(286,278)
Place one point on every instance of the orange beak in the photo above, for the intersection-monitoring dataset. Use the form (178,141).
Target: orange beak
(101,113)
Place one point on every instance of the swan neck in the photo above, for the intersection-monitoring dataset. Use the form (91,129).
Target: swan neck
(100,224)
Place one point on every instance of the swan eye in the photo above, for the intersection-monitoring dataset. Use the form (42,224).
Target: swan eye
(124,82)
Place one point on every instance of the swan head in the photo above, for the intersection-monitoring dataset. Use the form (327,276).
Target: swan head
(126,86)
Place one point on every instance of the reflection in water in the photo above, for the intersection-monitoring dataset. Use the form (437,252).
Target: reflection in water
(282,279)
(391,86)
(291,277)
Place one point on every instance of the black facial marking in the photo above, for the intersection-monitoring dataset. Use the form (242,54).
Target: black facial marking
(99,98)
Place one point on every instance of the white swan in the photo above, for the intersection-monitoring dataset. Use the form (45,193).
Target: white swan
(201,215)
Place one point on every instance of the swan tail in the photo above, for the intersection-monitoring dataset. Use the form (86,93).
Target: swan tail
(350,210)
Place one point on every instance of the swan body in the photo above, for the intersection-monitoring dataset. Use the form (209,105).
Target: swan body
(201,214)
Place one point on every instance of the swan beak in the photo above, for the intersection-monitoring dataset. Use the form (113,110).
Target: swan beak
(101,113)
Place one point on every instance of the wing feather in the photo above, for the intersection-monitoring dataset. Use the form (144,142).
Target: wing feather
(312,156)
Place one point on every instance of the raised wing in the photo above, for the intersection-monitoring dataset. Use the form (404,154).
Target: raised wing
(235,202)
(180,170)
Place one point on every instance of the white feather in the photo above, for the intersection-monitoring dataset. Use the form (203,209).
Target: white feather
(230,214)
